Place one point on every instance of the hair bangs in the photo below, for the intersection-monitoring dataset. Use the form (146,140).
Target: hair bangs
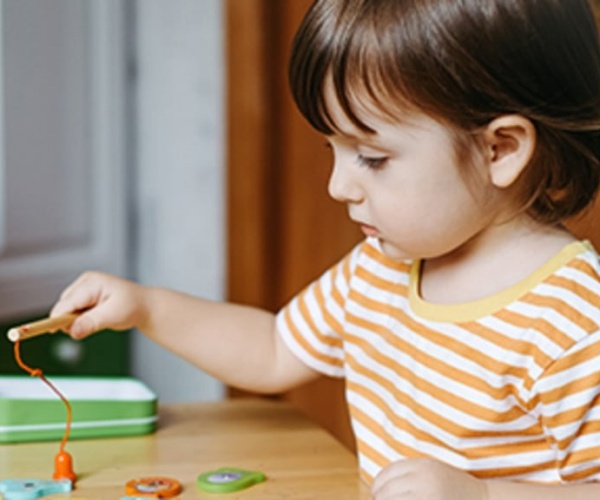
(349,58)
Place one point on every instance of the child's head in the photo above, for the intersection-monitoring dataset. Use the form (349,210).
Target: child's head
(466,63)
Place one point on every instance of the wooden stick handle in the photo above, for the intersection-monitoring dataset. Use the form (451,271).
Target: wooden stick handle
(47,325)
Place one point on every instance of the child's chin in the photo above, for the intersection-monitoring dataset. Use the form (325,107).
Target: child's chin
(391,251)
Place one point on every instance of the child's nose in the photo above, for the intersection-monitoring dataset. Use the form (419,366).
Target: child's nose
(342,186)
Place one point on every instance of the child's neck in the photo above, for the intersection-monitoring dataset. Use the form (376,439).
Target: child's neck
(494,260)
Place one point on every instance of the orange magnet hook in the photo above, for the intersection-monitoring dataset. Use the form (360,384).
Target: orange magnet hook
(63,467)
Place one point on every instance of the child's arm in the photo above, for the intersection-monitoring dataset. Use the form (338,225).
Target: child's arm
(428,478)
(236,344)
(500,490)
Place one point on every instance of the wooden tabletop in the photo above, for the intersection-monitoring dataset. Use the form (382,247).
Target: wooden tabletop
(301,460)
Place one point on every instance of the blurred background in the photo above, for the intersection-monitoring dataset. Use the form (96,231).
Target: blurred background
(112,159)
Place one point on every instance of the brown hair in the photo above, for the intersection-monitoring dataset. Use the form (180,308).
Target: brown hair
(467,62)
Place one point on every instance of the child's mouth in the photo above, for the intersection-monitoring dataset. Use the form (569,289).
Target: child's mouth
(369,230)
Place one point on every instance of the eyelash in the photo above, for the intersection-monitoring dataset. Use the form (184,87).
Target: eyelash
(373,163)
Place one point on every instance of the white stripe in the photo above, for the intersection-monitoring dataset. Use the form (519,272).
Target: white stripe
(79,425)
(368,466)
(394,405)
(303,355)
(568,376)
(445,356)
(448,455)
(528,335)
(582,278)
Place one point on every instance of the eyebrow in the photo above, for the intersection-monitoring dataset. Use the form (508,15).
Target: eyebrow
(368,141)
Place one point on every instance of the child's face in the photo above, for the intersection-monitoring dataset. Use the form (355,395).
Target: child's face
(403,185)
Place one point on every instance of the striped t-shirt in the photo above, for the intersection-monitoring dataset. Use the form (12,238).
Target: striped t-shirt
(505,387)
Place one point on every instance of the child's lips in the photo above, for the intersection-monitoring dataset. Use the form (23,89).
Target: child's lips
(369,230)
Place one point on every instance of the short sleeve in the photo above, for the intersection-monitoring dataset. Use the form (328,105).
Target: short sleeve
(567,402)
(312,323)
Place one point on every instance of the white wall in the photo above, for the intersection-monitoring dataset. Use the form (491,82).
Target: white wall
(62,168)
(178,182)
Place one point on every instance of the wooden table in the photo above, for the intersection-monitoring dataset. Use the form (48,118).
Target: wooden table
(300,459)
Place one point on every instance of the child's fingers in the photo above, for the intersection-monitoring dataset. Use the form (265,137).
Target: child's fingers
(80,301)
(98,299)
(82,294)
(98,318)
(82,280)
(86,324)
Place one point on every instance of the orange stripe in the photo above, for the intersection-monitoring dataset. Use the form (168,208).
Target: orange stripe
(430,415)
(514,471)
(440,366)
(451,371)
(539,324)
(589,428)
(344,266)
(584,266)
(372,304)
(308,349)
(452,344)
(372,454)
(584,383)
(575,287)
(575,358)
(327,340)
(582,456)
(568,416)
(380,258)
(564,308)
(381,283)
(329,318)
(472,453)
(587,473)
(399,447)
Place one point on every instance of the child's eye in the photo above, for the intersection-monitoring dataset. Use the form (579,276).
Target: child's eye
(372,162)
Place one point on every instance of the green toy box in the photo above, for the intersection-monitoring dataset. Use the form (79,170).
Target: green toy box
(102,407)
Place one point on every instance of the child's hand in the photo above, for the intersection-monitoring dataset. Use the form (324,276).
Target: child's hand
(106,302)
(417,479)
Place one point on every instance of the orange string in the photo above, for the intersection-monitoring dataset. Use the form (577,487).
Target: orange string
(36,372)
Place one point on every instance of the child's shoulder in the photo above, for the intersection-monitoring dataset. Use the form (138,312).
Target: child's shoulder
(584,272)
(572,291)
(584,264)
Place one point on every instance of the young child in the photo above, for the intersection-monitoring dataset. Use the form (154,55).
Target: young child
(466,324)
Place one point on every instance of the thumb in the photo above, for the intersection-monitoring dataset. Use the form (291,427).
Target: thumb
(86,324)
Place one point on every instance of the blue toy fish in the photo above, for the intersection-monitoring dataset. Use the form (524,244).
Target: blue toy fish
(30,489)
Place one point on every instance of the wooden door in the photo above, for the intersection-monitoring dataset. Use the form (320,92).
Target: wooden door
(284,230)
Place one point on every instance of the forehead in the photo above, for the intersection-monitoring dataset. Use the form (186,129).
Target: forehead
(375,121)
(357,109)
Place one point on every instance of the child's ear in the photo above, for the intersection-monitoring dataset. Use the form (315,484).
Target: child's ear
(511,141)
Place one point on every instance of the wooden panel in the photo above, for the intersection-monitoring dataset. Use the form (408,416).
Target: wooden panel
(252,242)
(284,230)
(316,231)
